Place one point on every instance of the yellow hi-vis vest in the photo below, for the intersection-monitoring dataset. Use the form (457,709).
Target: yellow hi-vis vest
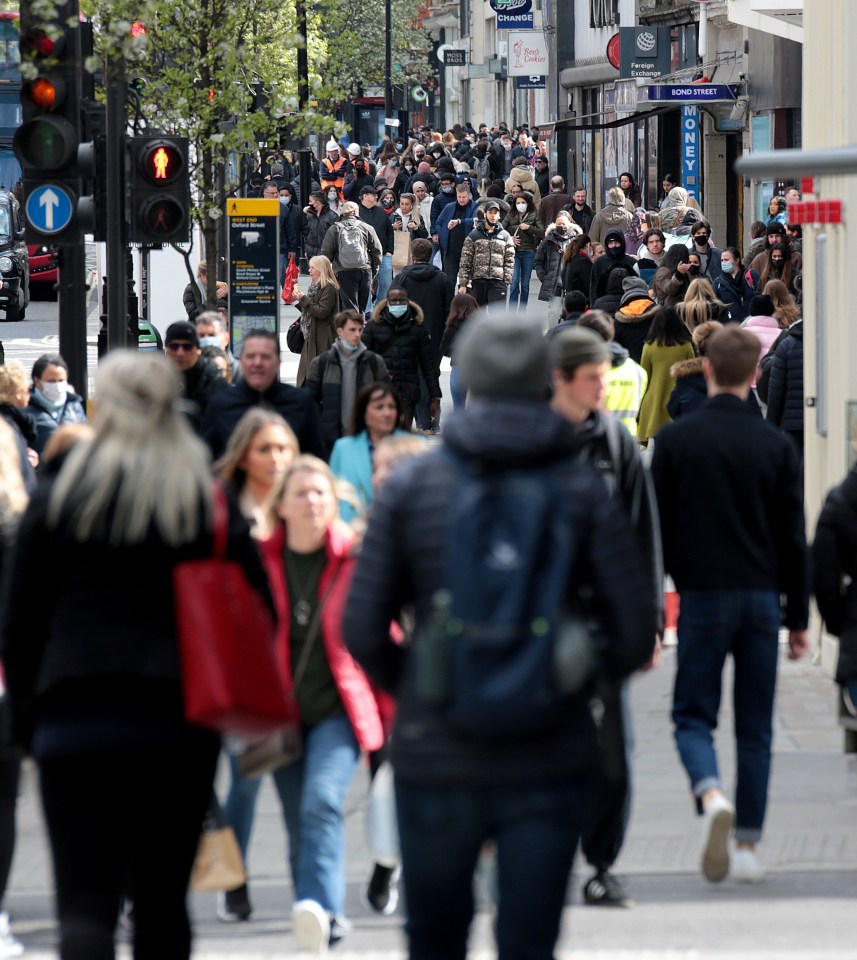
(626,385)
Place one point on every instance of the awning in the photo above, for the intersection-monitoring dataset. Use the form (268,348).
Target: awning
(588,75)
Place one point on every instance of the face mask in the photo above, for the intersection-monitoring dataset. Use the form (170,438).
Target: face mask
(507,146)
(409,167)
(701,239)
(54,392)
(398,309)
(727,266)
(694,270)
(559,231)
(394,163)
(521,207)
(446,189)
(347,346)
(209,341)
(776,265)
(332,195)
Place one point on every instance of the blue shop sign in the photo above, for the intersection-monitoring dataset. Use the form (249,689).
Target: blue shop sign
(695,92)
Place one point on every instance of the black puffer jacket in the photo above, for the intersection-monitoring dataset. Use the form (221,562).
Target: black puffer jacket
(200,384)
(324,382)
(432,290)
(785,390)
(548,265)
(406,347)
(604,266)
(402,562)
(834,555)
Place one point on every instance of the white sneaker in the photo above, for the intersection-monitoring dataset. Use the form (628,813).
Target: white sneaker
(311,925)
(746,867)
(9,946)
(719,816)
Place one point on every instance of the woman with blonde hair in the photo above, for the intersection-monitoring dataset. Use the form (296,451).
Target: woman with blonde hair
(95,680)
(318,306)
(785,309)
(700,305)
(14,398)
(310,563)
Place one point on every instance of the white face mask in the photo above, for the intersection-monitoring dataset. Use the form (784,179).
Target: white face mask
(521,207)
(209,341)
(54,391)
(332,194)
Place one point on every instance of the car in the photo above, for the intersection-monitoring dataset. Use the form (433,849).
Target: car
(14,260)
(43,271)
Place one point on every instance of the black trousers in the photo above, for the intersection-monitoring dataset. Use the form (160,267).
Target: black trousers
(354,286)
(127,824)
(451,263)
(489,291)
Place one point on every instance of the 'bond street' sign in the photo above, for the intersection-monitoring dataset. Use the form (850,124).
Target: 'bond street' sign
(695,92)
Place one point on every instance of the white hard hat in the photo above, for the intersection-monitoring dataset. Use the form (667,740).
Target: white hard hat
(331,145)
(354,149)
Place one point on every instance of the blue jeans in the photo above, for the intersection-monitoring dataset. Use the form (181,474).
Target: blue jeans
(711,625)
(456,388)
(312,792)
(385,278)
(535,828)
(524,260)
(240,806)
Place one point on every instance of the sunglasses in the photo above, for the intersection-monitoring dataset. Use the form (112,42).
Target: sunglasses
(175,347)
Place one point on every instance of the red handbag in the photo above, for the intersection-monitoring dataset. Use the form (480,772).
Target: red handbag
(230,676)
(290,279)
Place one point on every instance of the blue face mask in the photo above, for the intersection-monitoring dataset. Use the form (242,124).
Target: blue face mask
(347,346)
(209,341)
(727,266)
(398,309)
(446,189)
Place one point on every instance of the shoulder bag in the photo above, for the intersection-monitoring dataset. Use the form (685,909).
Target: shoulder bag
(230,677)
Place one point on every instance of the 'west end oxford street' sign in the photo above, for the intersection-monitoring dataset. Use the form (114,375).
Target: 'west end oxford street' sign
(513,14)
(254,268)
(644,52)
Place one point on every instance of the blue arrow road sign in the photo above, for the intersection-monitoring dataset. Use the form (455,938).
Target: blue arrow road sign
(50,208)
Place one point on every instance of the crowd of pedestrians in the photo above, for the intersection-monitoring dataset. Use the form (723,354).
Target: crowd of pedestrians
(469,610)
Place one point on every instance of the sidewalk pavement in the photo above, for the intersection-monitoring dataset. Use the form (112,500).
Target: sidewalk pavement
(804,910)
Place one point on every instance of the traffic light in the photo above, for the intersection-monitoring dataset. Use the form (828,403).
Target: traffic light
(160,190)
(47,141)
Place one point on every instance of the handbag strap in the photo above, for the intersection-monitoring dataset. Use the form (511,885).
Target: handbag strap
(221,522)
(312,633)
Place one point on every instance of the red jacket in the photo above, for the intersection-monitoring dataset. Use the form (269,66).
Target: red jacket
(355,691)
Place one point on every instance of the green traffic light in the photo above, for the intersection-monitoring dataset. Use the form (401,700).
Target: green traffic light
(45,143)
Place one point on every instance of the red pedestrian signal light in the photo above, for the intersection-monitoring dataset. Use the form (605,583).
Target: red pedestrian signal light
(160,190)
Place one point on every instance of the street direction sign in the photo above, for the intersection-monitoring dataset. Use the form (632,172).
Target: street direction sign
(50,209)
(695,92)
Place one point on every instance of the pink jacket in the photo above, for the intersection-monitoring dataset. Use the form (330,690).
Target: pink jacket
(765,330)
(357,697)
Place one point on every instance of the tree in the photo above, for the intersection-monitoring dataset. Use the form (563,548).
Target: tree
(198,63)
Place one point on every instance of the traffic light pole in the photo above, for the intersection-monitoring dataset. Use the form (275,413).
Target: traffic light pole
(72,313)
(116,280)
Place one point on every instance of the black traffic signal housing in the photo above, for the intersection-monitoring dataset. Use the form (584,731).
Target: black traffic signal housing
(48,139)
(160,190)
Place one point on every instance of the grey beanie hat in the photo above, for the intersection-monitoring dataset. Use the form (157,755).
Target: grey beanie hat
(632,289)
(503,353)
(576,346)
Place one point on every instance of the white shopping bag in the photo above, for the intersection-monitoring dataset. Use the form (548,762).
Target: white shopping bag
(382,831)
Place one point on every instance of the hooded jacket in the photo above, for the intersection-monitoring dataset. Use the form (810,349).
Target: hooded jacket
(487,256)
(548,264)
(432,290)
(611,216)
(785,390)
(402,561)
(633,320)
(603,266)
(690,390)
(313,229)
(406,348)
(612,298)
(524,177)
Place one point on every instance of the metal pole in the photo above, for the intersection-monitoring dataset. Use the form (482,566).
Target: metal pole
(303,59)
(792,163)
(116,280)
(388,67)
(72,313)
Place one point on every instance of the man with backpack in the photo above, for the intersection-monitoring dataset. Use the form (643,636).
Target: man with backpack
(487,539)
(354,250)
(581,364)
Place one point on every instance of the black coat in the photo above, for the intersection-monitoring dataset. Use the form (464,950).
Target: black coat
(200,383)
(583,218)
(734,481)
(379,220)
(402,562)
(407,349)
(603,266)
(548,267)
(577,275)
(324,382)
(295,406)
(690,390)
(432,290)
(785,388)
(834,556)
(106,630)
(313,229)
